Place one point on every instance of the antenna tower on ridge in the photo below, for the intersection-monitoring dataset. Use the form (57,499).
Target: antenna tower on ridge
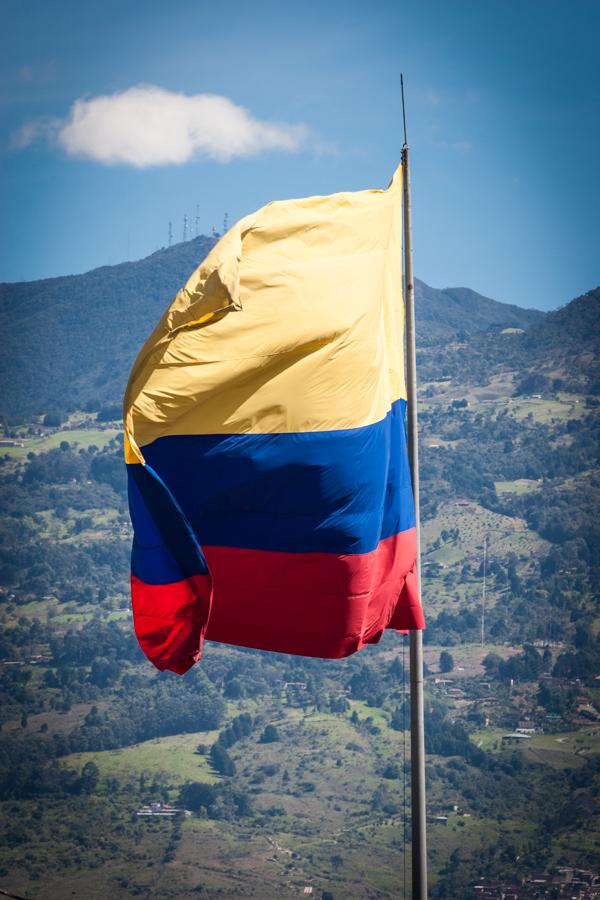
(225,223)
(170,233)
(197,232)
(185,228)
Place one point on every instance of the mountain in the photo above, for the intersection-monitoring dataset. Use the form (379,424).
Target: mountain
(272,755)
(577,321)
(568,339)
(440,313)
(70,341)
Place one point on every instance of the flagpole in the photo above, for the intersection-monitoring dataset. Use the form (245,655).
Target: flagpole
(417,733)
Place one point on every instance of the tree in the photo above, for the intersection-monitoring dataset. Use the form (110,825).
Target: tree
(217,801)
(397,669)
(397,721)
(446,661)
(525,666)
(233,689)
(195,795)
(269,735)
(491,663)
(221,760)
(104,671)
(109,413)
(53,420)
(89,777)
(583,637)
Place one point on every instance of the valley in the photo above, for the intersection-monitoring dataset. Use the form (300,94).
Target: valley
(294,772)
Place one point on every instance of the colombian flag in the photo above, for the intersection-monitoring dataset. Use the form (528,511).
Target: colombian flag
(265,440)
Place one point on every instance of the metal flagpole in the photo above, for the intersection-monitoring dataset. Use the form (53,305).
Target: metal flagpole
(417,736)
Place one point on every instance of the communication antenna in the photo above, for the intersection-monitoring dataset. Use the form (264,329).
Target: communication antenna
(185,228)
(225,223)
(170,233)
(197,219)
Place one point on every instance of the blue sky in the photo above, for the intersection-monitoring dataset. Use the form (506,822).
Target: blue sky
(503,109)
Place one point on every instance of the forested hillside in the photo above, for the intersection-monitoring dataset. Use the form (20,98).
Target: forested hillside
(70,342)
(294,772)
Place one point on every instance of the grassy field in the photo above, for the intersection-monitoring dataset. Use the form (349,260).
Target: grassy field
(101,524)
(448,587)
(520,486)
(56,722)
(314,825)
(67,613)
(544,410)
(374,712)
(507,534)
(174,756)
(497,395)
(313,787)
(563,750)
(80,437)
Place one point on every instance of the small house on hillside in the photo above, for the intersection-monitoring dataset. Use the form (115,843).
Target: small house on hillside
(159,810)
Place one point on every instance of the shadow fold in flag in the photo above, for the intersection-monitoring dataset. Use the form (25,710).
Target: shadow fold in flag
(172,605)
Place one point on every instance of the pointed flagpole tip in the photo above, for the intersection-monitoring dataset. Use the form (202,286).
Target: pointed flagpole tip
(405,145)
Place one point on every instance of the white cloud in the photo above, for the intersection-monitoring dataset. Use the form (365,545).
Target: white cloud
(34,130)
(149,126)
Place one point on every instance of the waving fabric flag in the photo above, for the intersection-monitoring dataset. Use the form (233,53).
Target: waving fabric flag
(265,440)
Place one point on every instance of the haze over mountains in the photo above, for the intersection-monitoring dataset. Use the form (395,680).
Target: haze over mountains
(71,340)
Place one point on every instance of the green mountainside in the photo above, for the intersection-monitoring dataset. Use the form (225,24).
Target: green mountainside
(69,342)
(443,313)
(568,339)
(295,772)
